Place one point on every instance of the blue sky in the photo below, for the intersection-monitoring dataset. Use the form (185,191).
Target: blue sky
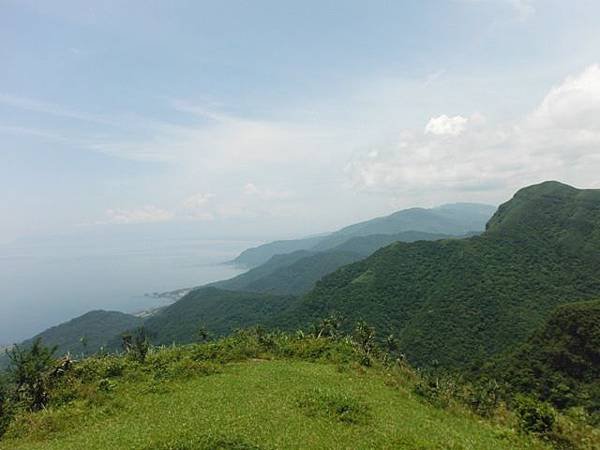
(287,118)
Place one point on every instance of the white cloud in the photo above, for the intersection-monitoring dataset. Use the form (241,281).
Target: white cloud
(444,125)
(141,215)
(574,104)
(560,139)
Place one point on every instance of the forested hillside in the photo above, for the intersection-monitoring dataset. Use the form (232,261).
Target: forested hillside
(296,273)
(456,302)
(217,311)
(559,363)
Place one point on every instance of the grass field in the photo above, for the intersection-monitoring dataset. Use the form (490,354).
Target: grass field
(261,404)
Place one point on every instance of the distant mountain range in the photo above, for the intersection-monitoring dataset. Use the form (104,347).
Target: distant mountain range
(453,219)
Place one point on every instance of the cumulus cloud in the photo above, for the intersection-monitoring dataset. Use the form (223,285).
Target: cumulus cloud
(444,125)
(141,215)
(573,104)
(559,139)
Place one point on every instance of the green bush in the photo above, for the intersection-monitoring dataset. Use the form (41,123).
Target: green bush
(483,397)
(136,345)
(31,370)
(534,416)
(438,389)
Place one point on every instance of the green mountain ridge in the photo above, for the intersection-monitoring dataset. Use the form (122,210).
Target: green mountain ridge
(457,302)
(452,219)
(297,272)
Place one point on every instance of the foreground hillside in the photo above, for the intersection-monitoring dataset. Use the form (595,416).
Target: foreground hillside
(456,302)
(252,391)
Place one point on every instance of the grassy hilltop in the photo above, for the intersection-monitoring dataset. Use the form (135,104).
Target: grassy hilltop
(254,390)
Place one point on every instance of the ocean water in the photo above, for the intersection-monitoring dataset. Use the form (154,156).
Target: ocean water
(44,282)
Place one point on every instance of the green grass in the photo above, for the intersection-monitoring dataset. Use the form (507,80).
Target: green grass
(264,404)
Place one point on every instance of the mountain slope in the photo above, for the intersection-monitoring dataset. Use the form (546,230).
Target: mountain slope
(297,272)
(560,362)
(86,334)
(455,219)
(456,302)
(218,310)
(256,256)
(300,277)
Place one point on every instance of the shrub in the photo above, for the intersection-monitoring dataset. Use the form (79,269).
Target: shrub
(483,397)
(534,416)
(364,337)
(31,371)
(106,385)
(329,327)
(440,390)
(136,345)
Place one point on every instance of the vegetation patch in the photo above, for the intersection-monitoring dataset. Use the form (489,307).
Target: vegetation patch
(338,406)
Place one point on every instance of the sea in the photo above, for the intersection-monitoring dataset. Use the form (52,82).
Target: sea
(46,281)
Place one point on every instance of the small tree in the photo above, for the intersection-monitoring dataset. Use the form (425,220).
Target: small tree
(364,337)
(31,371)
(329,327)
(203,334)
(391,344)
(136,345)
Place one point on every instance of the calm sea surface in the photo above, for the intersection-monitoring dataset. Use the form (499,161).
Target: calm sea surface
(45,282)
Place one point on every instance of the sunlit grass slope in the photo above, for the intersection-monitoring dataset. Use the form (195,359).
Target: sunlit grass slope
(264,404)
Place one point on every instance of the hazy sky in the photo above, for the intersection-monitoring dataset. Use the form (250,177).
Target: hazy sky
(288,117)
